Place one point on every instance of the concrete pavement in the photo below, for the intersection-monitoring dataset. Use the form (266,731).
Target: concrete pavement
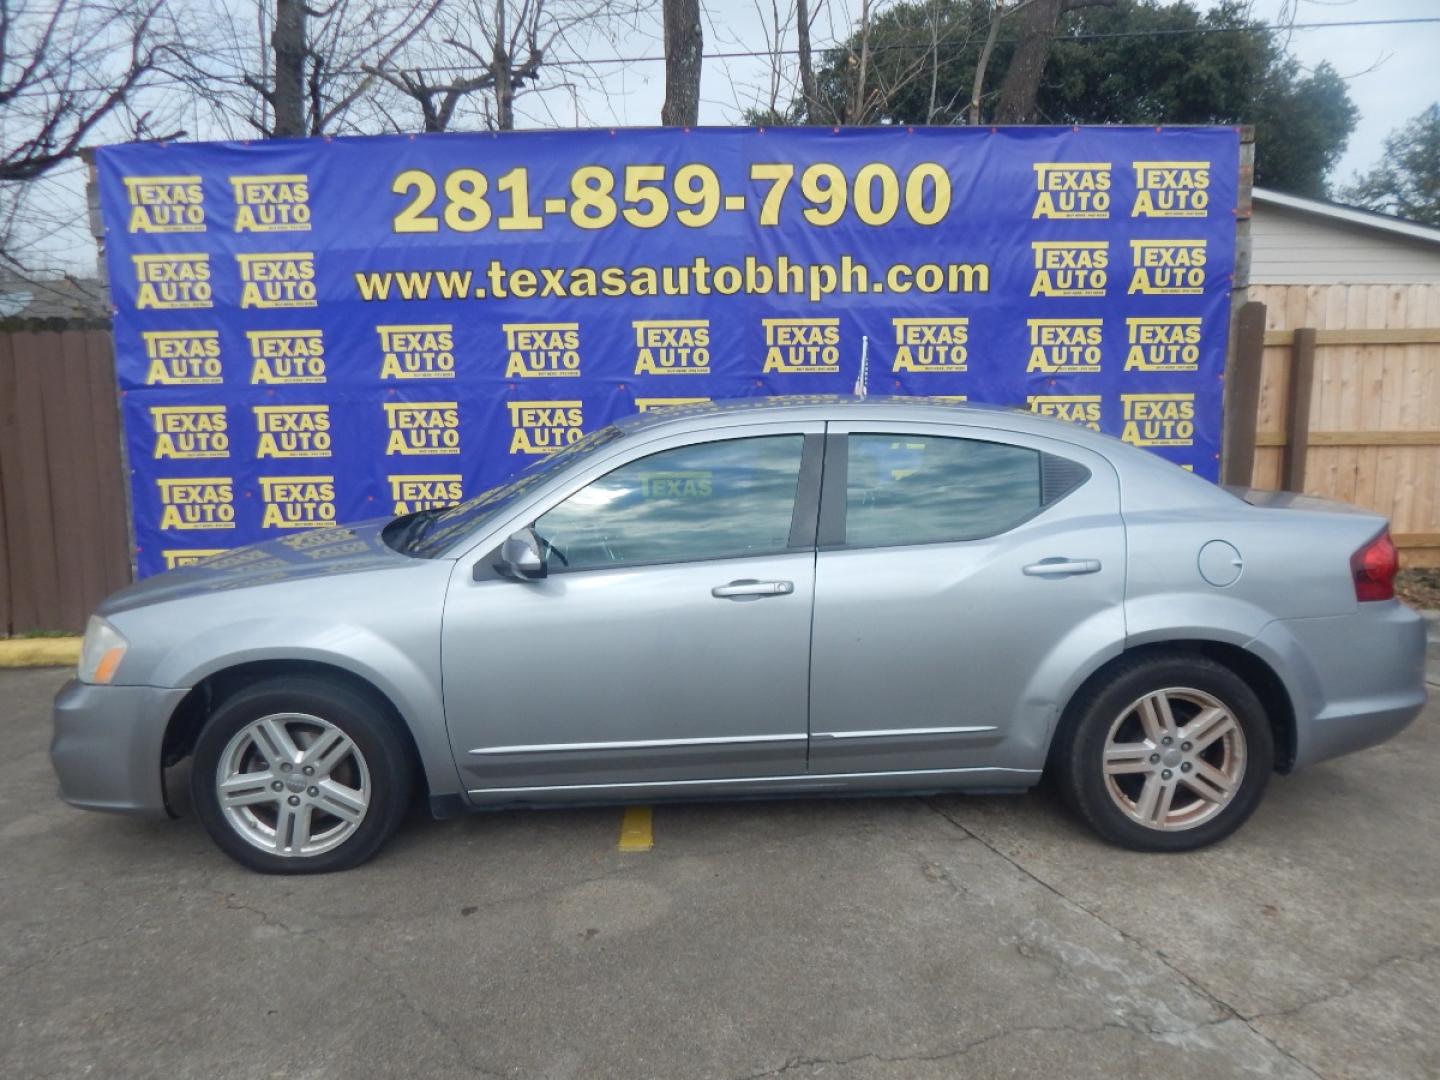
(846,939)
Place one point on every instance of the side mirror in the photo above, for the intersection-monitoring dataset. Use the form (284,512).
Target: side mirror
(520,556)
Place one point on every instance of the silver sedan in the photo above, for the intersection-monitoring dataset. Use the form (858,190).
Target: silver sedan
(766,598)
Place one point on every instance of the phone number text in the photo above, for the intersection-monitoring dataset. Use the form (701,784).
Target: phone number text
(647,196)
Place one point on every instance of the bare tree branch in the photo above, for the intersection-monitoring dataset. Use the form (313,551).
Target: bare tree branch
(68,68)
(504,48)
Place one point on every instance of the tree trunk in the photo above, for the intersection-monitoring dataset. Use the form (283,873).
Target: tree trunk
(1022,79)
(934,63)
(500,71)
(858,100)
(977,88)
(288,41)
(807,68)
(684,51)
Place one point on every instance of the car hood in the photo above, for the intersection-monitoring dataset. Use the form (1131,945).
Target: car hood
(319,553)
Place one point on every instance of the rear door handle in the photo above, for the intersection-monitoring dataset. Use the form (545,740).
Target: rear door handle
(749,587)
(1062,567)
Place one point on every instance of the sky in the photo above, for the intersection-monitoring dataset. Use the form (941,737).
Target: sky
(1393,74)
(1394,71)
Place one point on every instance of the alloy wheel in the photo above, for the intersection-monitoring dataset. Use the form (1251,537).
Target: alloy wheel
(1174,758)
(293,784)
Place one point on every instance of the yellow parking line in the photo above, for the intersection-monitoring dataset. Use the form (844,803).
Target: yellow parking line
(635,831)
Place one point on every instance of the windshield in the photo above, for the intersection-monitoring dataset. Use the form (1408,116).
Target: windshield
(427,533)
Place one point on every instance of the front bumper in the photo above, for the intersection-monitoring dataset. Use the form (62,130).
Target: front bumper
(106,746)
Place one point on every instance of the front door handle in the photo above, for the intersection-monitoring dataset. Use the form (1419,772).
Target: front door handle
(1062,567)
(748,587)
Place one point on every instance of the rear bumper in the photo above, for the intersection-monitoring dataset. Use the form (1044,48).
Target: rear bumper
(106,746)
(1355,680)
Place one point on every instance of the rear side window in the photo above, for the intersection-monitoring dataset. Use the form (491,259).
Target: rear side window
(924,489)
(713,500)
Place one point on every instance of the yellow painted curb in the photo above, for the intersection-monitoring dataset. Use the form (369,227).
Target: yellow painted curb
(39,652)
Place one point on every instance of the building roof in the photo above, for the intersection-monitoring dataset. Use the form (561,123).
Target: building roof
(1348,215)
(25,297)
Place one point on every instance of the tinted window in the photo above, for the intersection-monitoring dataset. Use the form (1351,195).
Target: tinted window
(919,489)
(711,501)
(450,525)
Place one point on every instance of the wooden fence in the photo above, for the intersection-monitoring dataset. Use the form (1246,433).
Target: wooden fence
(1335,391)
(1347,402)
(63,533)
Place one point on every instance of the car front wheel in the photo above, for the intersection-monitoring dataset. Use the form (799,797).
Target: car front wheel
(300,775)
(1168,753)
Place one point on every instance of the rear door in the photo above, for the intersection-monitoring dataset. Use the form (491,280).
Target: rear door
(959,571)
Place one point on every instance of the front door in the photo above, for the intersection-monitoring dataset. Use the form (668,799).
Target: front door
(961,572)
(668,644)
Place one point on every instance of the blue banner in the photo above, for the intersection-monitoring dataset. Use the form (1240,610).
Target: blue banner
(321,330)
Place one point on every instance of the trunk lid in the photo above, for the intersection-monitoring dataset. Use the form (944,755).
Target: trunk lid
(1290,500)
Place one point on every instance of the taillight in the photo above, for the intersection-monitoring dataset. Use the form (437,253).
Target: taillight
(1374,567)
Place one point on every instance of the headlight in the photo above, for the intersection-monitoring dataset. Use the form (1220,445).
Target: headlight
(101,652)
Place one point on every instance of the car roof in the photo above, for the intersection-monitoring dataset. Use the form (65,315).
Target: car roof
(844,406)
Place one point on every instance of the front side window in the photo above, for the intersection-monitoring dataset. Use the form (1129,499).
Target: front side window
(923,489)
(428,533)
(713,500)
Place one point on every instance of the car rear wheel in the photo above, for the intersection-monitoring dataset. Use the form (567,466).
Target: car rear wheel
(1167,753)
(300,775)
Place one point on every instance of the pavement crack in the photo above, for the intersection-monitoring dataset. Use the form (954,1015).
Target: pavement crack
(233,904)
(450,1038)
(1347,986)
(800,1061)
(1226,1010)
(55,954)
(933,871)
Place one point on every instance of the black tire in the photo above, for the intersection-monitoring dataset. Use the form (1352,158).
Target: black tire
(386,756)
(1078,760)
